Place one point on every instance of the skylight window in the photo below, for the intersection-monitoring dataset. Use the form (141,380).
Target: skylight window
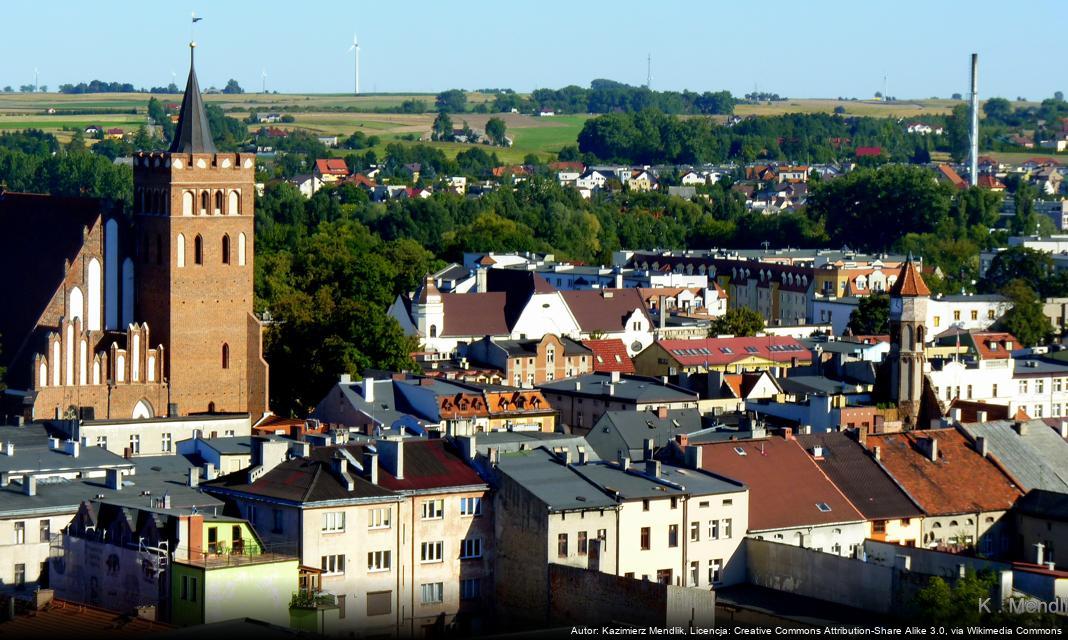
(726,350)
(751,349)
(740,451)
(823,506)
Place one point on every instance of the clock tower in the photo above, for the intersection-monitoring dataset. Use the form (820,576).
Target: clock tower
(908,311)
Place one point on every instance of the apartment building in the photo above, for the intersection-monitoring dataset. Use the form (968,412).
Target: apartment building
(401,532)
(653,522)
(581,401)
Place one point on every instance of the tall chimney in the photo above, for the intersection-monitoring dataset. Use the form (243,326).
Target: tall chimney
(973,147)
(369,389)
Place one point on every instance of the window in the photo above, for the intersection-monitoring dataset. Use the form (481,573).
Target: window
(379,603)
(378,518)
(333,521)
(198,250)
(20,574)
(189,589)
(975,314)
(1057,382)
(46,530)
(645,538)
(674,502)
(823,506)
(1038,411)
(341,606)
(226,249)
(470,548)
(225,356)
(20,532)
(218,202)
(727,527)
(583,543)
(433,509)
(645,504)
(165,443)
(470,589)
(695,573)
(994,393)
(333,564)
(715,568)
(673,535)
(663,576)
(878,526)
(102,442)
(937,321)
(431,551)
(1023,386)
(379,561)
(561,545)
(713,529)
(956,315)
(1040,386)
(470,506)
(135,444)
(695,532)
(969,392)
(433,592)
(1056,410)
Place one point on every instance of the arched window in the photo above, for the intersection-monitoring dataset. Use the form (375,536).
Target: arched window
(159,249)
(204,203)
(225,356)
(234,206)
(187,203)
(42,380)
(93,312)
(181,250)
(218,202)
(226,249)
(198,250)
(241,249)
(433,331)
(77,306)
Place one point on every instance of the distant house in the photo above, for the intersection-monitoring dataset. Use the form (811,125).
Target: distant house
(692,178)
(991,183)
(593,179)
(92,130)
(269,118)
(307,184)
(545,113)
(641,180)
(329,141)
(330,170)
(868,152)
(114,134)
(686,193)
(947,174)
(923,129)
(1022,141)
(457,184)
(609,355)
(361,181)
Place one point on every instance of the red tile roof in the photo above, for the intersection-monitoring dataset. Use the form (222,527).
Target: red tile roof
(609,355)
(961,481)
(994,346)
(785,484)
(430,464)
(952,176)
(991,182)
(910,283)
(62,619)
(864,152)
(332,166)
(722,351)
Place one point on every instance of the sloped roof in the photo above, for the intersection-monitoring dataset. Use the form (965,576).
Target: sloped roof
(910,283)
(1035,454)
(629,430)
(610,355)
(193,133)
(604,309)
(475,314)
(722,351)
(430,464)
(332,166)
(785,484)
(961,481)
(859,477)
(1048,505)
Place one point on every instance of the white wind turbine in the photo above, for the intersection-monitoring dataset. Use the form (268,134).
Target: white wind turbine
(356,47)
(264,74)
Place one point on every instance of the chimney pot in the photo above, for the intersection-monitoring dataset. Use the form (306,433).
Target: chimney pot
(980,416)
(652,468)
(29,485)
(113,479)
(876,452)
(194,477)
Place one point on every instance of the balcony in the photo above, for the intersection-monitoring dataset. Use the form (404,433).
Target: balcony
(243,552)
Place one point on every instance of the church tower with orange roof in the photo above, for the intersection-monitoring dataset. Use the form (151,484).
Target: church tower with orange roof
(908,311)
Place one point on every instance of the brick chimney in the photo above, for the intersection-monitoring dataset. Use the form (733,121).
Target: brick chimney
(662,412)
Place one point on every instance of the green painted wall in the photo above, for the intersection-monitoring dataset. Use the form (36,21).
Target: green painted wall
(186,612)
(260,591)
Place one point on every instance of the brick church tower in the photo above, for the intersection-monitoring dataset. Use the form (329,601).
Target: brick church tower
(194,242)
(908,313)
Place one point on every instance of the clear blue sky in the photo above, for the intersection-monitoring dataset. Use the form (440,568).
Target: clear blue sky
(813,48)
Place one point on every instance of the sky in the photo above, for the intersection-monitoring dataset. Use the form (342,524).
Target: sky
(811,49)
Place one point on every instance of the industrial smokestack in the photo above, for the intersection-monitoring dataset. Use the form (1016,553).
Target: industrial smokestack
(973,148)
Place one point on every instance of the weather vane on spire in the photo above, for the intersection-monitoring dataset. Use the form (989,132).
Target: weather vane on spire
(192,40)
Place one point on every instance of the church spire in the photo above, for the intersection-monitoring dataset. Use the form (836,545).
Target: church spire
(193,135)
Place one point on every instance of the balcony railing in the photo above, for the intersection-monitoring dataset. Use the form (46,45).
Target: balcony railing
(245,551)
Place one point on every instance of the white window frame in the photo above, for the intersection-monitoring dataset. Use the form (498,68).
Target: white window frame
(432,592)
(433,509)
(431,552)
(333,522)
(470,548)
(466,507)
(333,564)
(380,518)
(379,561)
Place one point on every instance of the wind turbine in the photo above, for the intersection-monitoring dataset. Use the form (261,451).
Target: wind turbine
(264,81)
(356,47)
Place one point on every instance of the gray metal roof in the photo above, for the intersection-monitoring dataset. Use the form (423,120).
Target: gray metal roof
(549,480)
(1029,367)
(1036,456)
(635,484)
(639,389)
(628,430)
(232,445)
(508,441)
(155,474)
(817,385)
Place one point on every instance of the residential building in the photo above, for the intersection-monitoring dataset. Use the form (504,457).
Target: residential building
(525,363)
(581,401)
(735,355)
(609,355)
(401,532)
(891,514)
(1032,452)
(791,500)
(1040,520)
(964,495)
(330,170)
(638,435)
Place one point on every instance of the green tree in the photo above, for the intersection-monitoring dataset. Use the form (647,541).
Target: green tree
(872,316)
(451,101)
(495,129)
(997,110)
(740,321)
(1025,320)
(232,87)
(1017,263)
(958,124)
(442,128)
